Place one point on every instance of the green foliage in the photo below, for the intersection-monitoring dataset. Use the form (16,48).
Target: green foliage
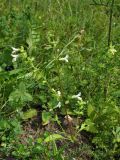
(29,114)
(53,137)
(19,96)
(56,54)
(46,116)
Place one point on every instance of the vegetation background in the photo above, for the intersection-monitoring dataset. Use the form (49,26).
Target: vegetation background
(59,79)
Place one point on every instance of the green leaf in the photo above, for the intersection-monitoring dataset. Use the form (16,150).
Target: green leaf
(4,124)
(15,71)
(90,110)
(89,126)
(29,114)
(20,95)
(26,97)
(22,87)
(53,137)
(39,140)
(46,116)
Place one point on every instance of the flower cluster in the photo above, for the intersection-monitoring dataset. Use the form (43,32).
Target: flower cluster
(78,96)
(14,55)
(65,59)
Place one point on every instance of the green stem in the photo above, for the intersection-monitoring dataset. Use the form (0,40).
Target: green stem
(110,23)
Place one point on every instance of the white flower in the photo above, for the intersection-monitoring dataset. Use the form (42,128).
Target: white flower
(59,93)
(14,57)
(78,96)
(14,50)
(64,58)
(82,31)
(58,105)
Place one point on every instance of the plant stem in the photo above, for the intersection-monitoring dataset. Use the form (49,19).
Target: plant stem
(109,41)
(110,22)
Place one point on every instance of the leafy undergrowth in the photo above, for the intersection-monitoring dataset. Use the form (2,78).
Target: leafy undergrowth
(52,141)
